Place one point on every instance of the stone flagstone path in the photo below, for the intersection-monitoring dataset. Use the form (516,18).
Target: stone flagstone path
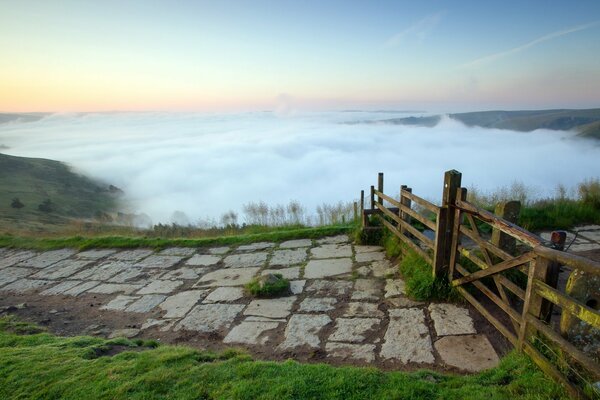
(346,304)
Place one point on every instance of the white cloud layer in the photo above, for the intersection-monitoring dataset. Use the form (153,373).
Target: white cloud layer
(207,164)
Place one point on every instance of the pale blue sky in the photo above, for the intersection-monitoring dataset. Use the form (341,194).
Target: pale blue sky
(247,55)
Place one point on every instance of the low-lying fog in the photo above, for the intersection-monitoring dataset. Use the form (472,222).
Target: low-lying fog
(207,164)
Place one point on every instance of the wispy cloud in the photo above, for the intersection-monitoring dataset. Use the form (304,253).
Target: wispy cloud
(417,31)
(496,56)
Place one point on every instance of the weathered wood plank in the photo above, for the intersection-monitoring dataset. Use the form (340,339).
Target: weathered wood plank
(422,202)
(567,303)
(495,269)
(406,240)
(488,246)
(461,194)
(571,260)
(406,226)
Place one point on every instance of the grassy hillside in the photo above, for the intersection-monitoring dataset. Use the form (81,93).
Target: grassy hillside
(34,181)
(22,117)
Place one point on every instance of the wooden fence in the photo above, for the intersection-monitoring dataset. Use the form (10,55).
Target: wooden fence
(515,287)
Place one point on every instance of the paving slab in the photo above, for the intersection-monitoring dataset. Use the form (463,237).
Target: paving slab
(356,309)
(591,235)
(394,288)
(334,239)
(351,352)
(15,258)
(228,277)
(382,268)
(288,257)
(146,303)
(353,330)
(47,258)
(103,271)
(111,288)
(24,285)
(583,247)
(286,273)
(160,287)
(185,273)
(219,251)
(124,333)
(224,294)
(82,287)
(160,262)
(359,249)
(366,290)
(331,267)
(60,288)
(250,332)
(318,304)
(119,303)
(331,251)
(130,273)
(11,274)
(330,288)
(472,353)
(95,254)
(587,228)
(179,304)
(253,318)
(297,287)
(368,257)
(245,260)
(407,337)
(203,260)
(303,330)
(151,323)
(449,319)
(255,246)
(62,269)
(178,251)
(292,244)
(209,318)
(271,308)
(131,255)
(403,302)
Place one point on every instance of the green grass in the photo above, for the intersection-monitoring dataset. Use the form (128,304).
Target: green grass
(268,289)
(43,366)
(82,243)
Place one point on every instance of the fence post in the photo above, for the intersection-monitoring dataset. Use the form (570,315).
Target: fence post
(509,211)
(380,187)
(362,209)
(405,201)
(355,212)
(372,197)
(445,222)
(461,195)
(533,303)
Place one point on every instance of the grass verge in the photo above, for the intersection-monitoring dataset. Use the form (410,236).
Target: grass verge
(82,243)
(43,366)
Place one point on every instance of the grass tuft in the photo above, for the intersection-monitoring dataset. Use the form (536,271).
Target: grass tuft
(261,287)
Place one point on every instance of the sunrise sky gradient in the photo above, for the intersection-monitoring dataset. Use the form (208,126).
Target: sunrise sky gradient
(264,55)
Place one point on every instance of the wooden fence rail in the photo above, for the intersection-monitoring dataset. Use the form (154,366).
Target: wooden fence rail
(513,287)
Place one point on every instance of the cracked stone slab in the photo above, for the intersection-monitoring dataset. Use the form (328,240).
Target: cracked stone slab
(449,319)
(160,262)
(331,251)
(286,273)
(251,332)
(590,235)
(334,239)
(583,247)
(127,275)
(228,277)
(264,319)
(218,251)
(335,288)
(60,288)
(363,310)
(331,267)
(62,269)
(353,330)
(95,254)
(312,304)
(359,249)
(256,246)
(151,323)
(407,337)
(394,288)
(366,289)
(15,258)
(472,353)
(303,330)
(178,251)
(111,288)
(245,260)
(382,268)
(24,284)
(297,287)
(348,351)
(224,294)
(146,303)
(119,303)
(184,273)
(587,228)
(271,308)
(82,287)
(131,255)
(372,256)
(11,274)
(47,258)
(102,272)
(288,257)
(292,244)
(160,287)
(179,304)
(203,260)
(210,318)
(126,333)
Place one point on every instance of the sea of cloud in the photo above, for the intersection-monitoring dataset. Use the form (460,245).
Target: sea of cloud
(207,164)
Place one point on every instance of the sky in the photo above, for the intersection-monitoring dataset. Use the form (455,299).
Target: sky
(314,55)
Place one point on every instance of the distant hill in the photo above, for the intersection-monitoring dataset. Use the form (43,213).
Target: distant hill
(49,193)
(21,117)
(586,122)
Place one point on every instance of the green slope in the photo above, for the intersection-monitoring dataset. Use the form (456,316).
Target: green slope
(34,180)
